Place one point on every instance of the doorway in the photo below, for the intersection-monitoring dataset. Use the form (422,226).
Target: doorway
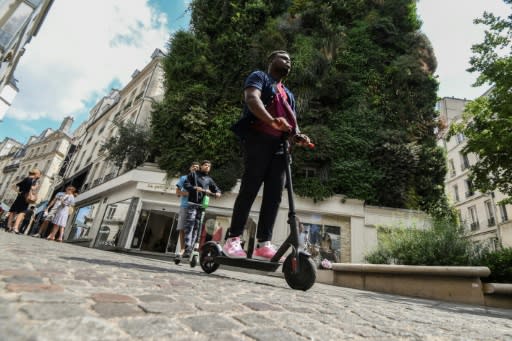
(154,231)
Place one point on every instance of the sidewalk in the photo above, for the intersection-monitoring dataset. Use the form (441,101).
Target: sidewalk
(58,291)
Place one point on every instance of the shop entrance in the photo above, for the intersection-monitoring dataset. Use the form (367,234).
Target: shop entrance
(156,231)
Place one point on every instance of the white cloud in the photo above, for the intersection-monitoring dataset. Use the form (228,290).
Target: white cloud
(81,48)
(449,26)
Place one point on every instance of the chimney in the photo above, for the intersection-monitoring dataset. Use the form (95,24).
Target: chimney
(66,124)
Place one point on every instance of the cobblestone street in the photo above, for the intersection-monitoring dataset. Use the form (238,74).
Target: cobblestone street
(55,291)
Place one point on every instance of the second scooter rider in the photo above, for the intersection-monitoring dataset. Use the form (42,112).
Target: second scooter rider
(198,184)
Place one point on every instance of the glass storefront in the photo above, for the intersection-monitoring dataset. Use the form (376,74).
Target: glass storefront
(113,223)
(156,231)
(82,221)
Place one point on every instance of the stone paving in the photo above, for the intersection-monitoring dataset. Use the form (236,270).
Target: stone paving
(58,291)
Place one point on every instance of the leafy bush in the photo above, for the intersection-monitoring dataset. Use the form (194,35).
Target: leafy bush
(443,244)
(500,264)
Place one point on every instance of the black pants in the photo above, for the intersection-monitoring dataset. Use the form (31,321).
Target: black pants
(264,164)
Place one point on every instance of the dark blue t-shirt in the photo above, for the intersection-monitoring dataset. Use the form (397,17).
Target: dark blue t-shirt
(267,85)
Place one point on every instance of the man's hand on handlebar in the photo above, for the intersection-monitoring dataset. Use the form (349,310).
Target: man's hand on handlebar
(303,141)
(207,192)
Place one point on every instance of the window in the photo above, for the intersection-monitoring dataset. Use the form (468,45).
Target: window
(503,212)
(473,218)
(469,188)
(456,193)
(451,167)
(18,15)
(460,138)
(491,220)
(111,212)
(464,161)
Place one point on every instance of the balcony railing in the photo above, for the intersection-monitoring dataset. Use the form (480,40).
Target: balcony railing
(475,226)
(491,222)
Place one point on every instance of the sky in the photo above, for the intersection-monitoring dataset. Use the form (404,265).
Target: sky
(85,48)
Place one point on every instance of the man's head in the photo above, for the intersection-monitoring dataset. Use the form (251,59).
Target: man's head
(279,64)
(205,166)
(194,166)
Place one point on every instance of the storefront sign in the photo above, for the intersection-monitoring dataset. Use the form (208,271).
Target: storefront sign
(151,187)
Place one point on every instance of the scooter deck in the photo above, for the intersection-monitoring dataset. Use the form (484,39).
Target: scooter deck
(247,263)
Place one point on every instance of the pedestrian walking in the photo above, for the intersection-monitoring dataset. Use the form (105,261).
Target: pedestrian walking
(62,213)
(49,214)
(27,194)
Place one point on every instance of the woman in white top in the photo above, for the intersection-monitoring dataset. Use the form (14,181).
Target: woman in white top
(61,213)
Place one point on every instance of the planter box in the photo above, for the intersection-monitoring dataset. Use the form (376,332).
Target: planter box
(446,283)
(498,295)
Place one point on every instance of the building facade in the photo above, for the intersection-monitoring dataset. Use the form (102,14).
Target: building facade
(46,152)
(482,214)
(136,210)
(20,20)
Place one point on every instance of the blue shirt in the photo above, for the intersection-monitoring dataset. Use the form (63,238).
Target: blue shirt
(180,184)
(267,85)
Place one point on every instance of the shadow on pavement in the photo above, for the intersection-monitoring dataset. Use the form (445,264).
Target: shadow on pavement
(127,265)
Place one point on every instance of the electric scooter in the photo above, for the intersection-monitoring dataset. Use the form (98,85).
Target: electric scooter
(298,268)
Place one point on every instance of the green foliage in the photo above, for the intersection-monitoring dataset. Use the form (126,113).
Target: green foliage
(488,120)
(443,244)
(500,264)
(130,145)
(362,76)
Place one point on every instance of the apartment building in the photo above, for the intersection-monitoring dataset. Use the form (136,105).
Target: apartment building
(46,152)
(482,214)
(20,20)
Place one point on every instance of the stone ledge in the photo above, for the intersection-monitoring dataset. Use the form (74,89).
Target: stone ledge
(449,271)
(445,283)
(498,295)
(498,288)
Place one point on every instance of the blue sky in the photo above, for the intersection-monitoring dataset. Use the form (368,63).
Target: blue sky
(74,61)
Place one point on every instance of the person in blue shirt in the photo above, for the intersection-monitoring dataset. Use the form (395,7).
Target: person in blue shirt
(183,194)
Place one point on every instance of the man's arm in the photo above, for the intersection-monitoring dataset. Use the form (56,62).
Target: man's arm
(253,100)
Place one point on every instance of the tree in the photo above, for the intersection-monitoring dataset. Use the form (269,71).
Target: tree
(362,75)
(487,121)
(130,147)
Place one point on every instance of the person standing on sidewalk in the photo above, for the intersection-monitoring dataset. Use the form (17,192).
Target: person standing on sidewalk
(183,194)
(49,214)
(27,186)
(198,184)
(62,213)
(269,111)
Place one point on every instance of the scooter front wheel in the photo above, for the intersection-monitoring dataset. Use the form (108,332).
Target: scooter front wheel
(193,261)
(209,251)
(299,272)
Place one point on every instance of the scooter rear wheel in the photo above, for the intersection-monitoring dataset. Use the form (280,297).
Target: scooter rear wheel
(207,257)
(305,277)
